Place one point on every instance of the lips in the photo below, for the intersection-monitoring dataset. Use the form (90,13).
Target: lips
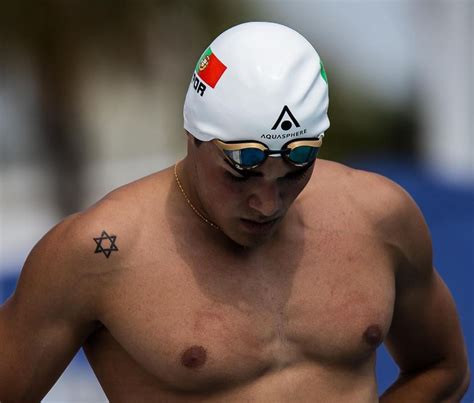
(258,226)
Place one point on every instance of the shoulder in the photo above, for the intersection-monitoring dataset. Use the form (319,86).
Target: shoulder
(71,266)
(97,240)
(387,209)
(372,194)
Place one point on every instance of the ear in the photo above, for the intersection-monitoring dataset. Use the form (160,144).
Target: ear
(190,142)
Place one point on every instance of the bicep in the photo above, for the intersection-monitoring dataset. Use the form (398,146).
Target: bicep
(425,328)
(43,324)
(35,349)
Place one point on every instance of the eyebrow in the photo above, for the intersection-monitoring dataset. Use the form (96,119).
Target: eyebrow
(251,173)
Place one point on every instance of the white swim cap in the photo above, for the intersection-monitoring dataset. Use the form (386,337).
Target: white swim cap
(258,81)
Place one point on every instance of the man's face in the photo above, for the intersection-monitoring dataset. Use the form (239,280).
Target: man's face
(248,206)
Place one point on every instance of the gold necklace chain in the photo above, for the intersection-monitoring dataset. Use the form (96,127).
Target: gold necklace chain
(178,182)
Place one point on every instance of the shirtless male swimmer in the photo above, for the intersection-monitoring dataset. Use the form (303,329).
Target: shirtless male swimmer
(241,274)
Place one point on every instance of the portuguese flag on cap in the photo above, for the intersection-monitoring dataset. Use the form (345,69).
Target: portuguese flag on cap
(209,68)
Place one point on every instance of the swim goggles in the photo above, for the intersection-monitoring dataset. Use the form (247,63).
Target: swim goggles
(251,154)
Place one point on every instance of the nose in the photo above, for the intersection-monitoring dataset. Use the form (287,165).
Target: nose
(266,199)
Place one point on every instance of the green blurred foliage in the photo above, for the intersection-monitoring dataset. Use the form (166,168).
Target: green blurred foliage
(58,36)
(65,29)
(364,126)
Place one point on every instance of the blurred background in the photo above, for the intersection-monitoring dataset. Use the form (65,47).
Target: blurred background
(91,96)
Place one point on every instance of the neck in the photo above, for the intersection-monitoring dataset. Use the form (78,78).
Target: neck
(190,195)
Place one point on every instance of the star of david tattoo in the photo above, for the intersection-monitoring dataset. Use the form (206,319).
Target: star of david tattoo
(108,240)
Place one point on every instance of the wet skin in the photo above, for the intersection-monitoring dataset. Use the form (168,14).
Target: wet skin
(295,314)
(309,273)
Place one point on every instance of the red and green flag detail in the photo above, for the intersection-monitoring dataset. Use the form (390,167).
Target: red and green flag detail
(323,72)
(209,68)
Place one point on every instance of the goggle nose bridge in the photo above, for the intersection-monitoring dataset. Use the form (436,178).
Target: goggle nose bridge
(277,152)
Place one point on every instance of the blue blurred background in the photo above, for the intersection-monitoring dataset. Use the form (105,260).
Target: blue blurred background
(91,98)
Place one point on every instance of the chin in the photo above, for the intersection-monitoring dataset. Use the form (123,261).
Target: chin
(249,240)
(248,243)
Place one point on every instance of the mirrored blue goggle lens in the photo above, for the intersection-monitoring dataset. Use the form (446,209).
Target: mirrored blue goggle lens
(246,157)
(303,154)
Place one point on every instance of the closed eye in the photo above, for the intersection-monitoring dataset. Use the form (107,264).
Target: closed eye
(236,178)
(296,175)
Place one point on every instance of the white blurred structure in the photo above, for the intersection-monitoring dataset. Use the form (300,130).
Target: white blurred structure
(398,49)
(445,72)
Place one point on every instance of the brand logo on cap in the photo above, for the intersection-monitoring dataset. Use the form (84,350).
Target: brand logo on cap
(285,124)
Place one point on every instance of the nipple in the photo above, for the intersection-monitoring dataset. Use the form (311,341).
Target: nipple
(373,335)
(194,357)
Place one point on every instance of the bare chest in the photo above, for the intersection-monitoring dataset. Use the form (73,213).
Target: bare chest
(208,321)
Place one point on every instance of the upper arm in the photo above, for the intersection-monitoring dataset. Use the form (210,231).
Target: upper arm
(48,317)
(425,329)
